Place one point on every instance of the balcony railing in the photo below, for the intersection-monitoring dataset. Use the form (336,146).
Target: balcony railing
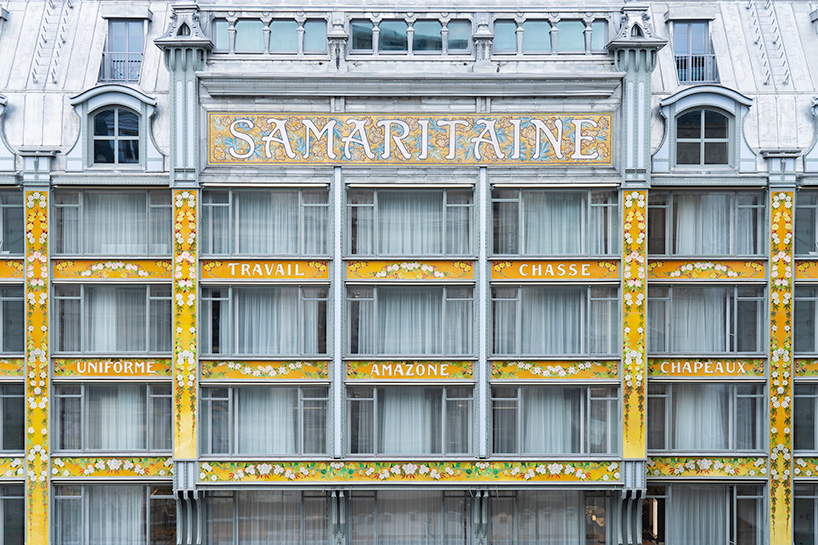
(120,66)
(697,68)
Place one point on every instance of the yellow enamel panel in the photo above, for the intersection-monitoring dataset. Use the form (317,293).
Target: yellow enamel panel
(555,270)
(705,368)
(250,370)
(265,270)
(113,367)
(184,324)
(465,139)
(806,468)
(11,269)
(805,367)
(112,467)
(410,270)
(88,269)
(409,472)
(703,467)
(706,270)
(634,309)
(806,270)
(410,370)
(12,367)
(37,352)
(12,468)
(579,370)
(781,286)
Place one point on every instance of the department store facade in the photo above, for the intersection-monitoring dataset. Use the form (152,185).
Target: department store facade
(334,275)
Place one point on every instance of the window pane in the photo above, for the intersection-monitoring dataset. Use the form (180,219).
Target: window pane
(393,36)
(68,324)
(459,34)
(361,426)
(13,320)
(715,153)
(114,223)
(361,35)
(410,320)
(599,35)
(117,514)
(249,36)
(128,123)
(545,215)
(700,416)
(11,217)
(715,125)
(12,417)
(70,423)
(410,223)
(427,36)
(161,431)
(115,319)
(458,424)
(163,520)
(104,123)
(680,38)
(571,36)
(118,36)
(688,153)
(268,420)
(128,151)
(805,417)
(536,37)
(689,125)
(68,528)
(804,321)
(698,38)
(115,417)
(315,36)
(505,37)
(409,420)
(103,151)
(161,327)
(551,320)
(284,36)
(506,227)
(266,321)
(221,39)
(551,420)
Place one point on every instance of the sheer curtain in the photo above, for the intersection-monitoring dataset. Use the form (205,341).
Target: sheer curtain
(700,413)
(268,321)
(545,217)
(115,417)
(702,223)
(551,420)
(552,518)
(409,517)
(699,515)
(407,417)
(117,515)
(269,517)
(699,320)
(409,320)
(267,222)
(551,320)
(115,223)
(268,420)
(410,223)
(115,318)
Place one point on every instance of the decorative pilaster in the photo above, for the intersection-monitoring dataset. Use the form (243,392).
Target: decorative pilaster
(37,350)
(185,373)
(781,313)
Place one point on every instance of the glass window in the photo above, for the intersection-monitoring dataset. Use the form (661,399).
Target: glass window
(393,37)
(702,138)
(695,61)
(12,417)
(705,319)
(273,420)
(804,320)
(427,36)
(315,36)
(532,222)
(459,35)
(806,418)
(705,416)
(279,222)
(806,221)
(409,420)
(283,36)
(122,58)
(12,514)
(249,35)
(505,37)
(11,222)
(599,35)
(221,36)
(12,319)
(361,31)
(115,138)
(536,36)
(113,223)
(281,320)
(554,420)
(571,37)
(407,320)
(132,514)
(388,517)
(704,513)
(410,223)
(539,516)
(805,516)
(724,223)
(108,319)
(555,320)
(121,417)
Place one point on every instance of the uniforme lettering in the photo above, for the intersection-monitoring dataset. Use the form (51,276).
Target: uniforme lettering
(96,367)
(396,131)
(410,370)
(702,367)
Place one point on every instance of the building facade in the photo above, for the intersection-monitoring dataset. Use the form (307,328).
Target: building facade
(464,275)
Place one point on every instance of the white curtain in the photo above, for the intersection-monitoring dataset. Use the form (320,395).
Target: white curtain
(550,422)
(458,224)
(115,417)
(410,320)
(115,223)
(410,223)
(698,515)
(551,320)
(268,420)
(409,518)
(115,319)
(267,222)
(504,322)
(700,416)
(699,320)
(545,217)
(269,517)
(702,223)
(268,320)
(408,418)
(117,515)
(552,518)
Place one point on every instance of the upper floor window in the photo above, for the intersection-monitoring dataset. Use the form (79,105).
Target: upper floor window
(542,36)
(278,222)
(806,223)
(702,138)
(122,57)
(13,510)
(278,36)
(805,411)
(11,222)
(12,320)
(115,139)
(695,61)
(805,334)
(12,417)
(410,223)
(113,223)
(428,36)
(531,222)
(712,223)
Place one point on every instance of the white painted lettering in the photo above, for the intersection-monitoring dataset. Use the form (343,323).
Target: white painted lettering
(579,138)
(515,150)
(359,129)
(328,130)
(388,137)
(452,124)
(246,138)
(554,139)
(488,127)
(279,128)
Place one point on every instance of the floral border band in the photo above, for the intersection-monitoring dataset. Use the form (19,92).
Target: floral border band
(410,270)
(12,269)
(11,468)
(160,467)
(707,467)
(254,370)
(406,472)
(705,368)
(806,270)
(533,370)
(805,367)
(805,468)
(706,270)
(87,269)
(12,367)
(410,370)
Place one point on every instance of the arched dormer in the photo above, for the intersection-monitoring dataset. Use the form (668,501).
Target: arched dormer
(114,131)
(704,132)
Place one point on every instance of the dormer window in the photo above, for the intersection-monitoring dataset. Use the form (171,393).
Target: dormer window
(122,57)
(695,61)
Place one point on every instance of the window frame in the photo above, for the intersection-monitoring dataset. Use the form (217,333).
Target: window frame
(6,393)
(107,72)
(709,65)
(13,492)
(5,207)
(116,138)
(703,140)
(592,26)
(802,394)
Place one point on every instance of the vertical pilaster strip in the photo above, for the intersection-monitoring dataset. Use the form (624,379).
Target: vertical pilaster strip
(781,309)
(634,310)
(185,300)
(37,442)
